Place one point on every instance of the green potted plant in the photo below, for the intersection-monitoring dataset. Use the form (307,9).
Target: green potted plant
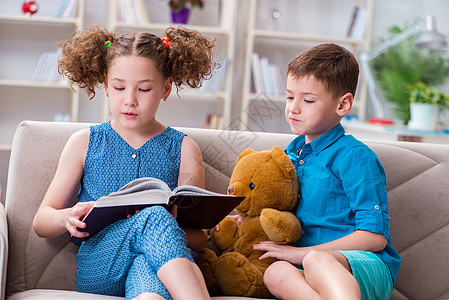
(404,65)
(425,104)
(180,9)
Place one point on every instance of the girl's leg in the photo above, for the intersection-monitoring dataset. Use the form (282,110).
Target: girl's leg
(286,281)
(104,260)
(183,279)
(329,273)
(143,279)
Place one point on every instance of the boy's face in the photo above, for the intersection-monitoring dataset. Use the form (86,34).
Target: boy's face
(310,109)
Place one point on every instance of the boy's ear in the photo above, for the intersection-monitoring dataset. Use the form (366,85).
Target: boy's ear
(345,104)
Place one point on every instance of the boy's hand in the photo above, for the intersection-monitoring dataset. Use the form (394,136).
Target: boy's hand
(73,220)
(282,252)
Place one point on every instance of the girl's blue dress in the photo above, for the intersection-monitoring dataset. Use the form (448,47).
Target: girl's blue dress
(123,259)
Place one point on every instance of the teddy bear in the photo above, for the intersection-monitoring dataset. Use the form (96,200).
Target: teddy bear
(268,181)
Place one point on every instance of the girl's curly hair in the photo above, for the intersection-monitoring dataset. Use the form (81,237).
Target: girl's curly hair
(85,60)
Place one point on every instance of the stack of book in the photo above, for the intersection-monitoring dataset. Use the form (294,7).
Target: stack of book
(64,9)
(47,67)
(267,78)
(213,84)
(132,11)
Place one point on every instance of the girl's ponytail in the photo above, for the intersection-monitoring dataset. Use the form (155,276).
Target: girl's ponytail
(83,59)
(190,56)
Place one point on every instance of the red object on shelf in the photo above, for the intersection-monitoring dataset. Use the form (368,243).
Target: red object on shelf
(30,7)
(381,121)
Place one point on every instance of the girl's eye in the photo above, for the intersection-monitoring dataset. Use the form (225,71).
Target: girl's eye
(290,98)
(308,101)
(144,90)
(119,88)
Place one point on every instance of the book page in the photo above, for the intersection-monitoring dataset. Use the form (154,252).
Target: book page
(145,197)
(192,190)
(141,184)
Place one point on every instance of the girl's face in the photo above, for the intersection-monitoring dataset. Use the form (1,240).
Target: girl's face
(135,87)
(310,109)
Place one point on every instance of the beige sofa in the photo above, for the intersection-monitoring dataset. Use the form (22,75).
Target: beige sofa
(417,182)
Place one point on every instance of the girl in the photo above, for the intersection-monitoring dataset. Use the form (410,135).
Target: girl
(146,255)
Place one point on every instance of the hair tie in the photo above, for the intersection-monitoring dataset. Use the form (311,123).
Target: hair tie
(166,41)
(107,43)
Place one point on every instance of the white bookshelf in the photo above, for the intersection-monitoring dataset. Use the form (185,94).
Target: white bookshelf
(33,34)
(224,32)
(259,36)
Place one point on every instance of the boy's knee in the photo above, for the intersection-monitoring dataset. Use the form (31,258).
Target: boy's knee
(316,257)
(274,274)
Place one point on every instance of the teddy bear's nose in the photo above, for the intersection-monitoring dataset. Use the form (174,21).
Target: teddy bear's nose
(230,190)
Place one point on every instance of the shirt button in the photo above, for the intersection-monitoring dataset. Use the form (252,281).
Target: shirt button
(134,155)
(376,207)
(301,162)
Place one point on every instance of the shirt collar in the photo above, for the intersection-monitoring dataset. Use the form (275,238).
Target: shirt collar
(317,145)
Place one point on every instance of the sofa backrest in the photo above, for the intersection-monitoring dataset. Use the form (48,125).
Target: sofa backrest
(417,179)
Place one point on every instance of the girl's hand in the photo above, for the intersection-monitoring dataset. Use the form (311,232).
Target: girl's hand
(74,217)
(282,252)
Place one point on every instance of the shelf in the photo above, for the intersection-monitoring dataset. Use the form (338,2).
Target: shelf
(39,20)
(5,147)
(37,84)
(294,36)
(257,36)
(224,34)
(162,27)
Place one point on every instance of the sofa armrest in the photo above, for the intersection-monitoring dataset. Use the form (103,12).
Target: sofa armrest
(3,250)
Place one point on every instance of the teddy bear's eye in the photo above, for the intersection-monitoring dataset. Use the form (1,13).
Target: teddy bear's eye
(252,186)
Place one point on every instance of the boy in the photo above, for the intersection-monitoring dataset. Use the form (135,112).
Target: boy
(345,250)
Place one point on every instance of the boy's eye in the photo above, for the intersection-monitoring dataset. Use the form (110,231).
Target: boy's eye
(289,98)
(308,101)
(144,90)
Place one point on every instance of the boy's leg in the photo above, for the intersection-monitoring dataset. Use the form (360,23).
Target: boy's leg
(286,281)
(329,273)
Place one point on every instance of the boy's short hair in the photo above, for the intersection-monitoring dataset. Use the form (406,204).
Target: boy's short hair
(333,65)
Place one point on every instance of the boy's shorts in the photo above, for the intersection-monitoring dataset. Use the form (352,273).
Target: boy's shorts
(371,273)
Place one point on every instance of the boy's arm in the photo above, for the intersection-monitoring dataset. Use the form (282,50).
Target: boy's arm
(358,240)
(191,172)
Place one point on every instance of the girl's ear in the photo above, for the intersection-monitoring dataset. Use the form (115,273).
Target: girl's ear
(167,88)
(106,85)
(345,104)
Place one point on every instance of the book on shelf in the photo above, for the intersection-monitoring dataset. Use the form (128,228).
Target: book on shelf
(213,84)
(213,121)
(352,21)
(266,77)
(196,207)
(47,67)
(132,11)
(64,8)
(359,23)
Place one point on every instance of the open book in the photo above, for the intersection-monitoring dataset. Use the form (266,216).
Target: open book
(197,208)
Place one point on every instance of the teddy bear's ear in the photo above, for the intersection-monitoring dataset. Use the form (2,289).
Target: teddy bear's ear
(282,160)
(245,152)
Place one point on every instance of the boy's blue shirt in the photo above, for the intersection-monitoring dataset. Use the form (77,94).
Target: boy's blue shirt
(342,189)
